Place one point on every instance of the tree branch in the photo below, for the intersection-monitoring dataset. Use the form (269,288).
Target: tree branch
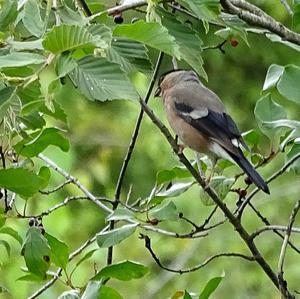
(253,15)
(274,227)
(193,269)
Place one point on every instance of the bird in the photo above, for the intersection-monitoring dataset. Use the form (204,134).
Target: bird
(199,118)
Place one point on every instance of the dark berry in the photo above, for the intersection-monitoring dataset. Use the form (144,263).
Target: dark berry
(118,19)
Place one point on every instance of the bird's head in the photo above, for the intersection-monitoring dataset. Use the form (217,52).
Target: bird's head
(173,78)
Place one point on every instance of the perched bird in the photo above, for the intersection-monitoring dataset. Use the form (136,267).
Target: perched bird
(199,118)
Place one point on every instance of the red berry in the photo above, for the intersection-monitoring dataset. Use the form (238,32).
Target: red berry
(234,42)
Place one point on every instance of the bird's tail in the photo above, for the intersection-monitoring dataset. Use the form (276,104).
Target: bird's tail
(251,172)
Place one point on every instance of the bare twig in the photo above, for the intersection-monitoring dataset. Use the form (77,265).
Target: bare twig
(130,149)
(274,227)
(287,7)
(47,192)
(282,283)
(193,269)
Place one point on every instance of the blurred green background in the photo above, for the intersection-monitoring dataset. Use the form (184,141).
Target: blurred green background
(100,133)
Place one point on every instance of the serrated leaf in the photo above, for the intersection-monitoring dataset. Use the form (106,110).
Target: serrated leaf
(131,55)
(187,39)
(222,187)
(125,271)
(32,18)
(18,59)
(107,292)
(120,214)
(20,181)
(65,64)
(71,294)
(210,287)
(70,16)
(67,37)
(102,35)
(151,34)
(11,232)
(274,73)
(99,79)
(8,13)
(165,212)
(267,111)
(36,252)
(288,85)
(59,251)
(39,141)
(115,236)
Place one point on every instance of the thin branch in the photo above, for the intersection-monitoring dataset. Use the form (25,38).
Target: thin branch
(266,222)
(233,220)
(130,149)
(76,182)
(270,179)
(274,227)
(6,205)
(47,192)
(287,7)
(282,283)
(193,269)
(218,46)
(257,17)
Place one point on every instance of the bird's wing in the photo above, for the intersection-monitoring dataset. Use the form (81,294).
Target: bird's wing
(216,125)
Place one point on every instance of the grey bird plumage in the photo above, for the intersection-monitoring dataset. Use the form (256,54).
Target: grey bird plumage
(199,118)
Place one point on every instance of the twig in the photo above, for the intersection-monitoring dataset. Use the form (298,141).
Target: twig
(47,192)
(76,182)
(84,7)
(266,222)
(218,46)
(287,7)
(282,283)
(233,220)
(193,269)
(274,227)
(130,149)
(270,179)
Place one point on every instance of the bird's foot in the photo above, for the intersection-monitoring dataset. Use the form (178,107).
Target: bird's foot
(181,147)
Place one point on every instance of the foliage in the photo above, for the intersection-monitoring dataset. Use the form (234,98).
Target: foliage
(61,154)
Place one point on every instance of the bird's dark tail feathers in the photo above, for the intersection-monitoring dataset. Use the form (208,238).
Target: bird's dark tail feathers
(250,171)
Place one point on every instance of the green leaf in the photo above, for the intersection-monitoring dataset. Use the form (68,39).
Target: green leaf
(32,18)
(36,252)
(125,271)
(70,16)
(222,187)
(8,13)
(210,287)
(288,85)
(102,35)
(109,293)
(167,175)
(26,45)
(33,121)
(17,59)
(274,73)
(65,64)
(71,294)
(131,55)
(187,39)
(295,167)
(120,214)
(187,295)
(59,251)
(166,212)
(92,290)
(266,110)
(21,181)
(5,244)
(277,39)
(84,258)
(31,92)
(296,16)
(99,79)
(151,34)
(67,37)
(11,232)
(115,236)
(8,99)
(45,173)
(38,142)
(175,190)
(204,9)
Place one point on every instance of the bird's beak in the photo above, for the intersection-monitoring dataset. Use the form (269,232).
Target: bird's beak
(157,92)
